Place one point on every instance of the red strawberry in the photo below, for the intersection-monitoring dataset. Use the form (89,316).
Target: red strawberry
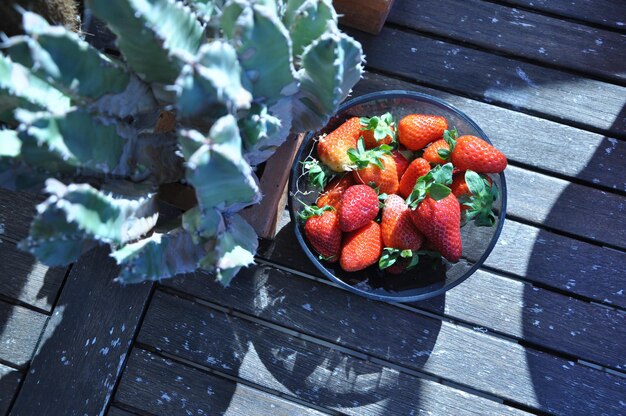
(415,131)
(375,167)
(398,267)
(334,190)
(322,231)
(359,206)
(432,152)
(459,187)
(473,153)
(361,248)
(377,130)
(401,162)
(440,222)
(396,226)
(419,167)
(332,149)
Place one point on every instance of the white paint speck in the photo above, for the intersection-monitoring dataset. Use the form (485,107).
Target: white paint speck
(620,292)
(520,73)
(209,391)
(414,50)
(65,361)
(494,20)
(104,351)
(93,341)
(536,322)
(307,307)
(542,50)
(599,41)
(166,397)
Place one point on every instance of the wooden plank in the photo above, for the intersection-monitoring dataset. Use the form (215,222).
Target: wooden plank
(573,327)
(609,13)
(368,16)
(575,209)
(468,357)
(16,212)
(9,384)
(493,78)
(163,387)
(26,279)
(273,184)
(591,157)
(116,411)
(86,341)
(520,33)
(316,374)
(20,329)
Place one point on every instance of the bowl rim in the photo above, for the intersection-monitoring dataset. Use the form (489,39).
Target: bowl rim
(377,295)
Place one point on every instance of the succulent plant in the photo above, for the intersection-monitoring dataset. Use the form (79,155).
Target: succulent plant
(239,76)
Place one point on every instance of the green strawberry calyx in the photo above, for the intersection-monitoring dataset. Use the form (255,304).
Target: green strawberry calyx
(391,255)
(480,202)
(362,158)
(450,137)
(309,211)
(382,126)
(432,184)
(318,174)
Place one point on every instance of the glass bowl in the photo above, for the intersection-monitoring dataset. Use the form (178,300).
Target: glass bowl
(432,276)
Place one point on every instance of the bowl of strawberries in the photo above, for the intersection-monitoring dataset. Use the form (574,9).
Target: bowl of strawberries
(399,198)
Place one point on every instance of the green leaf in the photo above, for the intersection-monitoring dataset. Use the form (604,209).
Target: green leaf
(444,154)
(442,174)
(382,126)
(474,182)
(450,137)
(309,211)
(318,174)
(439,191)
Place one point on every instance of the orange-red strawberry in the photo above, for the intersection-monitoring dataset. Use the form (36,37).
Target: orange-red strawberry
(377,130)
(322,231)
(334,190)
(396,226)
(440,222)
(415,131)
(375,167)
(361,248)
(401,162)
(432,152)
(473,153)
(358,206)
(418,167)
(460,188)
(332,149)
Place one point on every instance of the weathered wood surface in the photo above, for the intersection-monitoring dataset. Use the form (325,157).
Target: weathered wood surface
(116,411)
(9,383)
(86,342)
(297,367)
(27,280)
(163,387)
(456,353)
(20,329)
(516,84)
(591,157)
(16,213)
(609,13)
(522,33)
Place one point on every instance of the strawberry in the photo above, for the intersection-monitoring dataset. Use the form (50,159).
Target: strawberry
(376,167)
(432,152)
(401,162)
(476,194)
(361,248)
(473,153)
(332,149)
(415,131)
(322,231)
(358,206)
(418,167)
(334,190)
(377,130)
(440,222)
(396,227)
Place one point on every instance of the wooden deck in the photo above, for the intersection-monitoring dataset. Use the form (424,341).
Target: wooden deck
(540,329)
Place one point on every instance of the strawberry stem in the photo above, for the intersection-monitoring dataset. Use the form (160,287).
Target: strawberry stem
(362,158)
(381,125)
(432,184)
(309,211)
(480,202)
(318,174)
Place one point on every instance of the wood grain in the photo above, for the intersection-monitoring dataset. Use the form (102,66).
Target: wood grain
(317,374)
(27,280)
(592,158)
(521,33)
(20,329)
(16,212)
(163,387)
(9,383)
(368,16)
(461,355)
(519,85)
(609,13)
(85,343)
(116,411)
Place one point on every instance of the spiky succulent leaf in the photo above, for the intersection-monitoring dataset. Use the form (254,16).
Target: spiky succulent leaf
(151,34)
(216,167)
(19,88)
(330,66)
(159,256)
(264,49)
(203,225)
(235,248)
(307,20)
(204,9)
(210,86)
(10,144)
(70,64)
